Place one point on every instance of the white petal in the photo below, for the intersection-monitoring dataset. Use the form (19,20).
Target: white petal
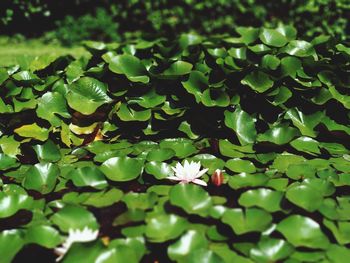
(200,182)
(174,178)
(200,173)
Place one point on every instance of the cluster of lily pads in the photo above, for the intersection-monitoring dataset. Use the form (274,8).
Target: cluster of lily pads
(91,144)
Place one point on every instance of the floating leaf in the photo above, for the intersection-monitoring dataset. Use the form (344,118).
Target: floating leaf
(130,66)
(300,48)
(47,152)
(33,131)
(50,105)
(88,176)
(240,166)
(191,198)
(178,68)
(74,217)
(164,227)
(43,235)
(258,81)
(303,231)
(263,197)
(271,250)
(245,221)
(243,124)
(122,169)
(272,37)
(188,242)
(11,242)
(86,95)
(41,177)
(12,200)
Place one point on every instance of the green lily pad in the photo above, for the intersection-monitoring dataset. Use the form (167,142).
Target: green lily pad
(141,201)
(74,217)
(86,95)
(10,146)
(182,147)
(43,235)
(7,162)
(26,77)
(243,124)
(303,231)
(188,242)
(290,66)
(265,198)
(340,230)
(272,37)
(196,84)
(95,199)
(160,155)
(240,166)
(11,242)
(12,199)
(128,114)
(159,170)
(258,81)
(191,198)
(122,169)
(33,131)
(164,227)
(178,68)
(130,66)
(209,161)
(279,134)
(300,48)
(90,252)
(41,177)
(248,220)
(88,176)
(337,254)
(244,180)
(48,152)
(50,105)
(271,250)
(270,62)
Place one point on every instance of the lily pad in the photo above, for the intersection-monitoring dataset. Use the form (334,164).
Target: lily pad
(11,242)
(191,198)
(303,231)
(248,220)
(243,124)
(258,81)
(88,176)
(122,169)
(33,131)
(74,217)
(188,242)
(265,198)
(87,94)
(164,227)
(41,177)
(130,66)
(50,105)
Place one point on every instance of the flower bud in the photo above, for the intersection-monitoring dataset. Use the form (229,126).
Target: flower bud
(217,178)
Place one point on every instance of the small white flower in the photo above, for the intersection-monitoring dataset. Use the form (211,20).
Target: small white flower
(75,235)
(188,173)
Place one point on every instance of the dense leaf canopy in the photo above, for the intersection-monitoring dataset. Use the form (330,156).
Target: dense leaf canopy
(90,142)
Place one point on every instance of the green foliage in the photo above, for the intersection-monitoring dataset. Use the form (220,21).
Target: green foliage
(72,30)
(91,142)
(73,21)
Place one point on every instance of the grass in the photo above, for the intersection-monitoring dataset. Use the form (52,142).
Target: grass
(13,52)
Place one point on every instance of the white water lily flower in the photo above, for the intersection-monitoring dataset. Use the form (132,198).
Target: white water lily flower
(188,173)
(75,235)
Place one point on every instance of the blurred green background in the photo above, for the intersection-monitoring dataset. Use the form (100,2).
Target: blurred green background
(39,27)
